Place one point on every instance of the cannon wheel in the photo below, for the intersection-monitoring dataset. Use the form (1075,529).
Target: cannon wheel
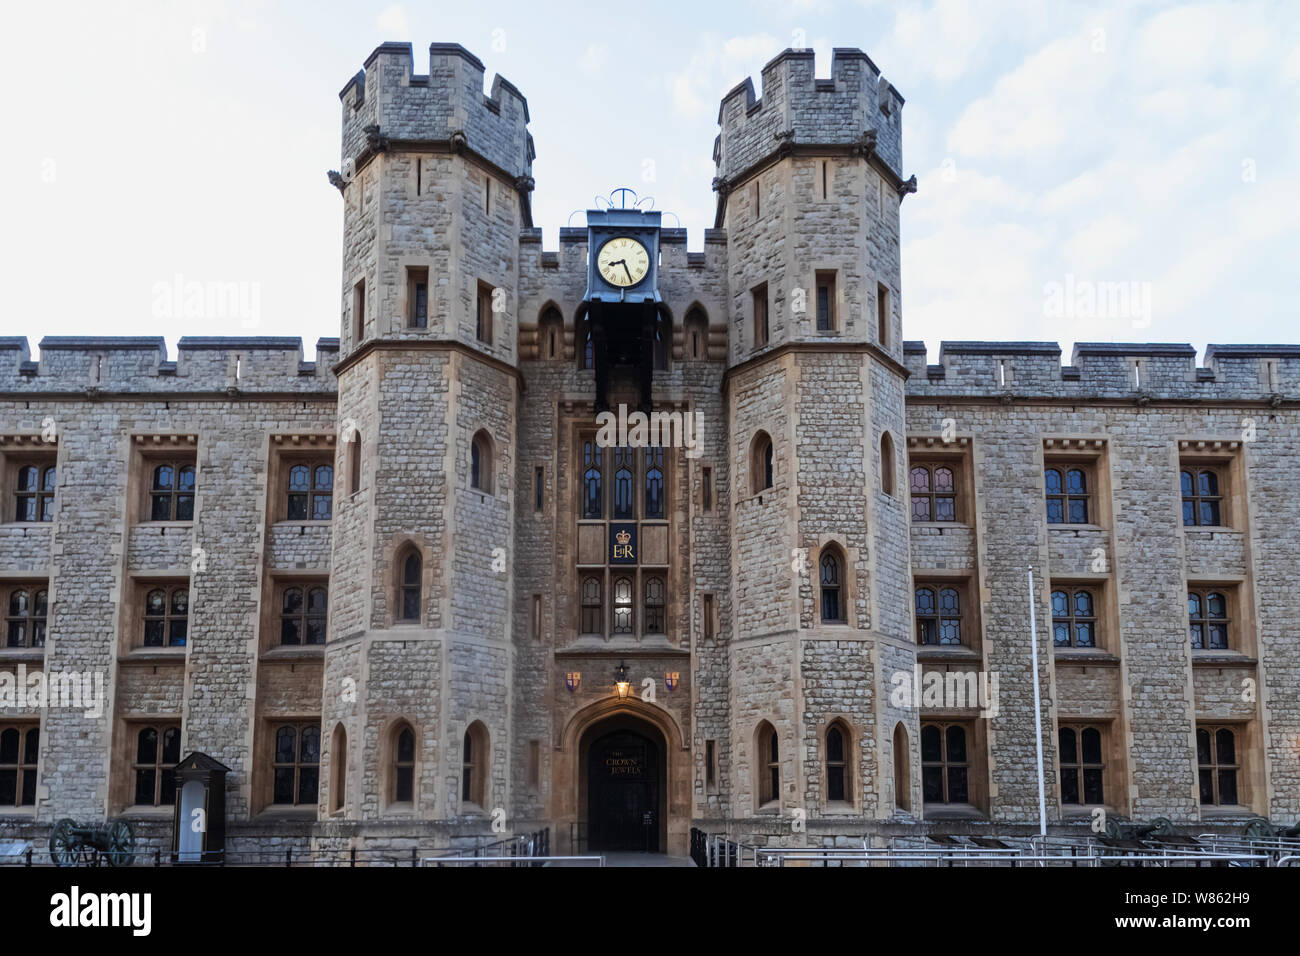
(1162,827)
(63,850)
(1259,829)
(121,844)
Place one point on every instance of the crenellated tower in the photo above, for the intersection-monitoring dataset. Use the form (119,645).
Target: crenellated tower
(435,184)
(809,182)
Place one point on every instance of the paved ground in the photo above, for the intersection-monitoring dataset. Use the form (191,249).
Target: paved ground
(633,859)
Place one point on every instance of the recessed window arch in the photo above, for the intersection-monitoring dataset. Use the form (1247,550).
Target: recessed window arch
(19,752)
(166,616)
(474,765)
(157,751)
(353,454)
(767,764)
(35,488)
(550,334)
(830,577)
(902,769)
(584,341)
(410,584)
(761,472)
(402,764)
(938,615)
(887,468)
(1082,765)
(695,329)
(303,612)
(338,768)
(480,462)
(1202,496)
(27,610)
(839,782)
(1217,765)
(1067,494)
(171,491)
(663,340)
(945,763)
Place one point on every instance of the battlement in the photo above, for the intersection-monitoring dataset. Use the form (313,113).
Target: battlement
(1105,370)
(389,102)
(572,254)
(204,364)
(796,108)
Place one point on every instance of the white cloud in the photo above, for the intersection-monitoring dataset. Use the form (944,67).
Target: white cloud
(392,22)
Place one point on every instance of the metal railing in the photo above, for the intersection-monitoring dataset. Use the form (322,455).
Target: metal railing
(924,851)
(523,850)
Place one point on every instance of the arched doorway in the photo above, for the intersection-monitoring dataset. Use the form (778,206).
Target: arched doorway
(623,786)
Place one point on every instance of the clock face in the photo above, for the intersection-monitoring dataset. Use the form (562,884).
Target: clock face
(623,261)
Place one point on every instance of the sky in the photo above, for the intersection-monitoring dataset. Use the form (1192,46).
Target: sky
(1112,171)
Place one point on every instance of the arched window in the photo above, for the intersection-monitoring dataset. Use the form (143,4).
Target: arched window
(19,750)
(592,491)
(403,782)
(35,493)
(654,605)
(171,492)
(25,621)
(586,345)
(624,482)
(354,463)
(1207,614)
(166,617)
(311,492)
(902,769)
(1067,495)
(302,614)
(944,764)
(1081,765)
(623,623)
(480,462)
(1202,499)
(938,615)
(339,768)
(696,330)
(297,764)
(474,764)
(550,337)
(654,482)
(934,492)
(831,575)
(663,341)
(410,590)
(760,463)
(593,610)
(157,752)
(1074,618)
(767,764)
(1216,759)
(887,463)
(838,782)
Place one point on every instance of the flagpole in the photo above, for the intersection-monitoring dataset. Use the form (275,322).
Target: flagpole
(1038,711)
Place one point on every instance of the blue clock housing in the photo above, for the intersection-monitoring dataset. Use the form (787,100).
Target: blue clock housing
(606,224)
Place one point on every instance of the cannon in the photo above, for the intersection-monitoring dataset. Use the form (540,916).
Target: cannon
(72,843)
(1125,830)
(1261,829)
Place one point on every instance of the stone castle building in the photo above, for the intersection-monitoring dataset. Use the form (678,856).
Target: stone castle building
(392,590)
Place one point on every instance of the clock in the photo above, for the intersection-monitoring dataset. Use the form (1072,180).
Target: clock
(623,262)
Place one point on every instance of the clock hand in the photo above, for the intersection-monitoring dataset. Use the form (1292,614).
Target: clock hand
(626,269)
